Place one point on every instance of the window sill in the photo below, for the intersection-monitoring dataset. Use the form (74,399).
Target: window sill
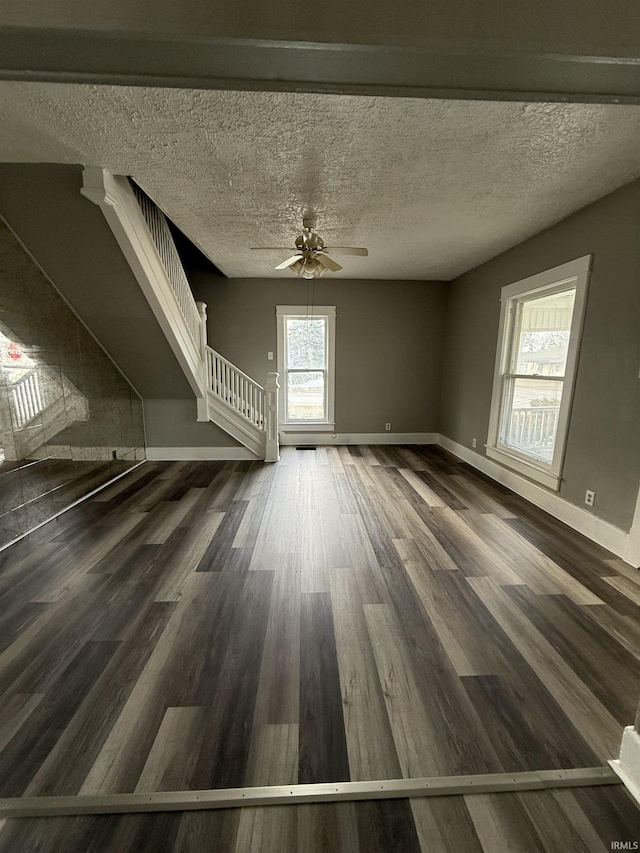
(308,427)
(521,466)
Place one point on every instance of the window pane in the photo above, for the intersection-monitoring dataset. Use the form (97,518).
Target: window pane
(530,416)
(306,343)
(305,396)
(542,334)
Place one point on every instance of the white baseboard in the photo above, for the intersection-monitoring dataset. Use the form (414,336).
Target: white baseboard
(199,454)
(628,765)
(289,438)
(608,535)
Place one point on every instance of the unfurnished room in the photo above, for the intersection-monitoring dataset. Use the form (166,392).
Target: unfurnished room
(319,432)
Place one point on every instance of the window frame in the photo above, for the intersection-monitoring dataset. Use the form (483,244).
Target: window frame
(555,280)
(305,312)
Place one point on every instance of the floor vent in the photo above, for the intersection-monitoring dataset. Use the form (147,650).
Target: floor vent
(306,447)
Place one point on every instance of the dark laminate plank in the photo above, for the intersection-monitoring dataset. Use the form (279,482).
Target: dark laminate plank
(17,619)
(502,824)
(279,691)
(467,550)
(146,833)
(31,745)
(224,752)
(595,657)
(205,831)
(370,744)
(68,834)
(540,573)
(565,555)
(123,757)
(218,551)
(529,707)
(323,750)
(614,814)
(463,742)
(385,825)
(328,827)
(553,828)
(598,726)
(67,765)
(522,743)
(194,668)
(443,825)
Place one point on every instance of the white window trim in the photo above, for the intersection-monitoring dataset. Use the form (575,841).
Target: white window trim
(574,273)
(328,311)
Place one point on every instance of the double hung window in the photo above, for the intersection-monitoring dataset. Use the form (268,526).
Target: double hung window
(540,328)
(306,363)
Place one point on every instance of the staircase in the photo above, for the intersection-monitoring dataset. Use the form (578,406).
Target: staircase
(225,395)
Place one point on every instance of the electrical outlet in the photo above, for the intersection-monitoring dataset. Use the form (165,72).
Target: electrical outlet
(387,427)
(590,498)
(270,356)
(473,442)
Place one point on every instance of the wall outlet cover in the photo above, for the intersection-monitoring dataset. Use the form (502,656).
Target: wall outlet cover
(387,427)
(590,497)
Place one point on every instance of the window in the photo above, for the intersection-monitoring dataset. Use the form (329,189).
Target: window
(540,327)
(306,347)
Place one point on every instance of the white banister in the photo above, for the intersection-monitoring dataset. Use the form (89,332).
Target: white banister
(256,406)
(273,447)
(234,387)
(166,248)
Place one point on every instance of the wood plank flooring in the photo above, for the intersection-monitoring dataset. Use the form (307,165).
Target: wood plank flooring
(586,820)
(347,614)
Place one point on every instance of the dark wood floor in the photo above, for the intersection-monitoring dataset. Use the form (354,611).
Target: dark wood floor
(349,613)
(586,820)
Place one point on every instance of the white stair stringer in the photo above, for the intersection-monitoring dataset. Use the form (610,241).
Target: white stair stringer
(237,426)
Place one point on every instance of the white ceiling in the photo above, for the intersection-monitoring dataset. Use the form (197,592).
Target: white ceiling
(431,187)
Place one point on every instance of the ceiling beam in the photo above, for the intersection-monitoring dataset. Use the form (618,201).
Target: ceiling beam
(109,57)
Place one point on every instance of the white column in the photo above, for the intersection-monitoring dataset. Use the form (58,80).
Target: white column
(273,446)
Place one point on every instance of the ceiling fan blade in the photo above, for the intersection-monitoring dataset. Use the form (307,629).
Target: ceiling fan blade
(328,262)
(349,250)
(272,248)
(288,263)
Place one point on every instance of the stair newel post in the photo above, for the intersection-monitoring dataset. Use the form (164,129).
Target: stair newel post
(271,392)
(203,413)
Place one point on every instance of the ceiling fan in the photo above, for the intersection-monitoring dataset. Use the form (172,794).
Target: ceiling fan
(311,259)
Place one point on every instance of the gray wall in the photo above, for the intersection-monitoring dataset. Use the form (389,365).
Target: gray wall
(172,423)
(69,237)
(64,408)
(603,444)
(389,339)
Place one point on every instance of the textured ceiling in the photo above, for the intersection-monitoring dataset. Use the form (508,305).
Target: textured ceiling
(432,188)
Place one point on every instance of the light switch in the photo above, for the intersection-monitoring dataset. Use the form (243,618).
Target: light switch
(270,356)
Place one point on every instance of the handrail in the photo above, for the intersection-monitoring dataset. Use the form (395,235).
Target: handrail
(166,247)
(236,389)
(237,369)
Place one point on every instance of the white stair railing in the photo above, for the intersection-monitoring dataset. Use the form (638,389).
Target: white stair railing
(164,243)
(236,389)
(256,405)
